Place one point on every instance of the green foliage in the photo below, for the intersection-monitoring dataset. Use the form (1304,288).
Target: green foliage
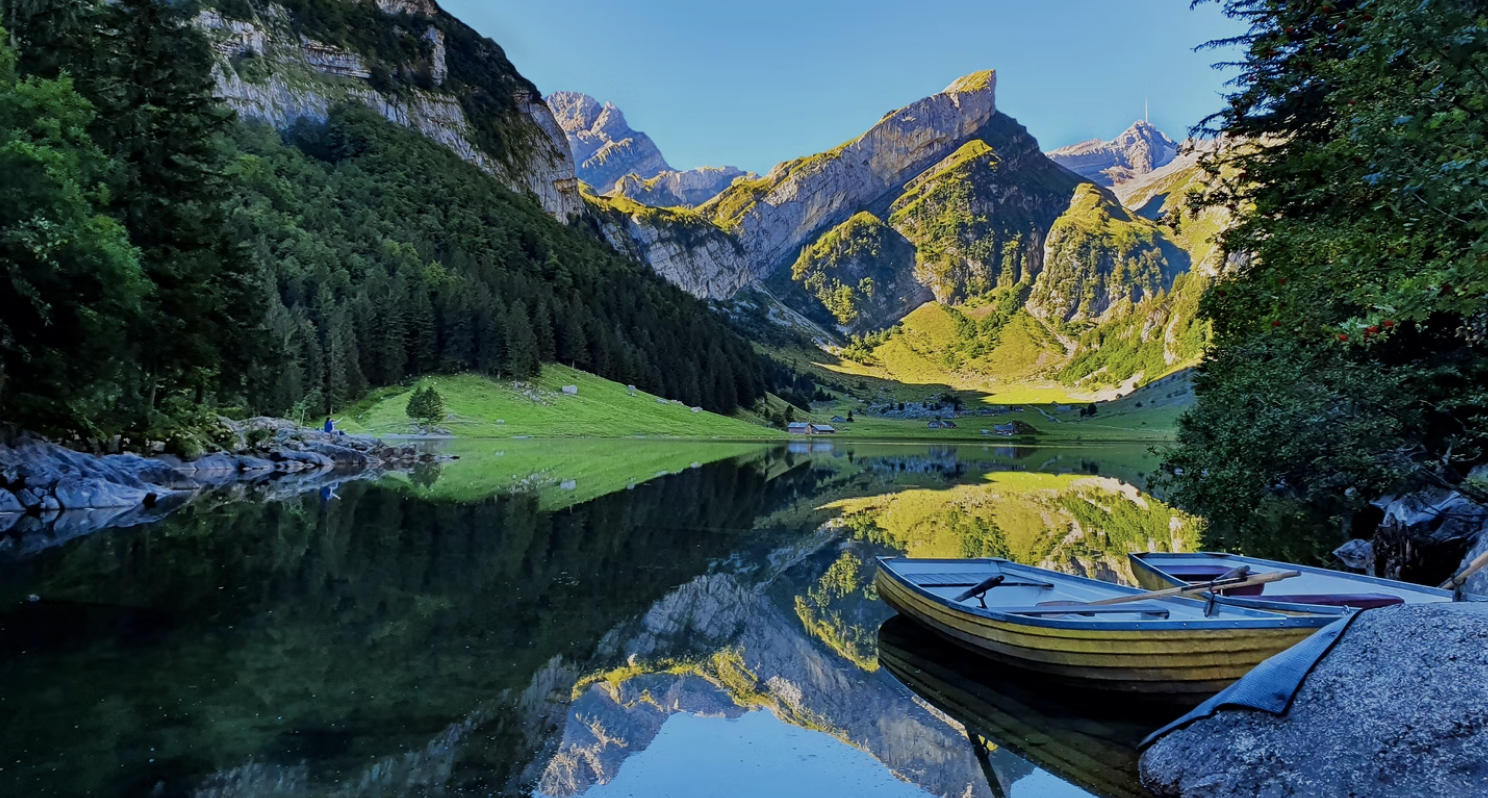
(1348,354)
(1097,249)
(856,242)
(74,283)
(426,405)
(1151,339)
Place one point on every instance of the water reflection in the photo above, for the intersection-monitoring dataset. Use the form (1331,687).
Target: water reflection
(523,620)
(1016,728)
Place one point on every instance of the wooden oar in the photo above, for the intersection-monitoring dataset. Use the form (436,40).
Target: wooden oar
(1202,587)
(1463,575)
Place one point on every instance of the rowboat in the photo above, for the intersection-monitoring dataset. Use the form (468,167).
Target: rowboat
(1013,727)
(1173,648)
(1316,591)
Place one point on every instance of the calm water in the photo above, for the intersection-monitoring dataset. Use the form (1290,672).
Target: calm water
(600,619)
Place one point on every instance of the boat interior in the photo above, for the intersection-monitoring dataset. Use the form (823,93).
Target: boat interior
(1314,587)
(1033,593)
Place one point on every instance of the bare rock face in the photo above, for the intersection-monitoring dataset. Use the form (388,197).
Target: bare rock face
(774,216)
(1137,151)
(684,248)
(603,144)
(680,189)
(267,72)
(1397,708)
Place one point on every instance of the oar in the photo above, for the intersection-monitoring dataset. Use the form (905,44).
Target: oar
(1456,582)
(1249,581)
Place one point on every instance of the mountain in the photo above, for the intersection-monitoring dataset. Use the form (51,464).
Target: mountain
(614,159)
(408,61)
(603,144)
(1139,150)
(680,189)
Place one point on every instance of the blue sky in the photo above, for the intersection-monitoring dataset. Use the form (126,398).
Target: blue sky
(755,82)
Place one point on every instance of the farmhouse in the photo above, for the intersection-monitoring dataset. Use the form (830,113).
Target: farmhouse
(807,428)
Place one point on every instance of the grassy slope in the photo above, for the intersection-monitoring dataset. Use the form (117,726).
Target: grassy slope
(563,473)
(603,409)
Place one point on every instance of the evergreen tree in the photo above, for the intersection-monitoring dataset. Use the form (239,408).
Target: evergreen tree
(73,282)
(426,406)
(521,344)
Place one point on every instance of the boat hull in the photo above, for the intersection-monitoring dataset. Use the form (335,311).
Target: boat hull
(1183,663)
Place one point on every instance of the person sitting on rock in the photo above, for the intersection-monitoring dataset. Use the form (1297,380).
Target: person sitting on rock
(330,424)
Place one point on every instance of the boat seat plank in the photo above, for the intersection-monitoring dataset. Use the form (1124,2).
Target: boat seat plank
(964,580)
(1146,609)
(1361,601)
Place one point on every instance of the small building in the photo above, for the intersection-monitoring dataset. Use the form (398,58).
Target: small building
(838,420)
(947,425)
(807,428)
(1005,429)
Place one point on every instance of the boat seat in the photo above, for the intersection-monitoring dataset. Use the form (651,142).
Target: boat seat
(964,580)
(1147,610)
(1360,601)
(1199,574)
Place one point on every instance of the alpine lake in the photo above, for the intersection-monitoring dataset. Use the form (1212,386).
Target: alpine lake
(563,618)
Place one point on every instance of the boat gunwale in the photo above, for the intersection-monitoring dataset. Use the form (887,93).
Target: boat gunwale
(1140,558)
(1264,619)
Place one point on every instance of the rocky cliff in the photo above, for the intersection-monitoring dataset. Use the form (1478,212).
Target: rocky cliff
(408,61)
(685,189)
(1137,151)
(603,144)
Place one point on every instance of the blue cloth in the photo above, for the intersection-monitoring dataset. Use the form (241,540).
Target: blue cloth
(1272,685)
(330,426)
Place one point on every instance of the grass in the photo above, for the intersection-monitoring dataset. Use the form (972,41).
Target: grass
(478,406)
(563,473)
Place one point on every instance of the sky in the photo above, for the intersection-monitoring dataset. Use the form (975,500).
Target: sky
(751,83)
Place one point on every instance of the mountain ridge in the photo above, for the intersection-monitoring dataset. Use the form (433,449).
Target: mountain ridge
(1139,149)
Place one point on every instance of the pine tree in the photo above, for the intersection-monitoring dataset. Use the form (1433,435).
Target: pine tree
(426,406)
(521,344)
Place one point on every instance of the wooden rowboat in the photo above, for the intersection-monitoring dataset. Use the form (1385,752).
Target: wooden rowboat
(1316,591)
(1168,648)
(1012,726)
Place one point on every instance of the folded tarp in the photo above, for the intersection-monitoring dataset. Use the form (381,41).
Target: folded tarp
(1272,685)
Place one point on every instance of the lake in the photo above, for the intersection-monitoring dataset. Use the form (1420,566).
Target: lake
(566,618)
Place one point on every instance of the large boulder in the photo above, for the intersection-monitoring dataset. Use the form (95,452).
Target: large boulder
(1425,534)
(1396,708)
(88,493)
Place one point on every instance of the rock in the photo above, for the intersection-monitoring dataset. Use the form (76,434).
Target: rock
(38,499)
(1425,534)
(570,390)
(86,493)
(1397,708)
(214,464)
(1357,556)
(9,503)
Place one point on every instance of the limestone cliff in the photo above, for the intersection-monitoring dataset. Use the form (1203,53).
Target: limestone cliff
(773,217)
(603,144)
(680,189)
(676,243)
(431,73)
(1137,151)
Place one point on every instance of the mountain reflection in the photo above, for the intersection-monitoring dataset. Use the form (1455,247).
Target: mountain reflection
(461,629)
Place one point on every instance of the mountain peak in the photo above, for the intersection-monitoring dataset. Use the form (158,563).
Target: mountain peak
(1139,149)
(985,80)
(603,143)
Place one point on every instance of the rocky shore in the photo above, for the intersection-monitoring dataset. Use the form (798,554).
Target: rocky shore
(1396,708)
(50,493)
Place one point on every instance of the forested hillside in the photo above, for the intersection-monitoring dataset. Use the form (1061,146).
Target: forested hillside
(169,262)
